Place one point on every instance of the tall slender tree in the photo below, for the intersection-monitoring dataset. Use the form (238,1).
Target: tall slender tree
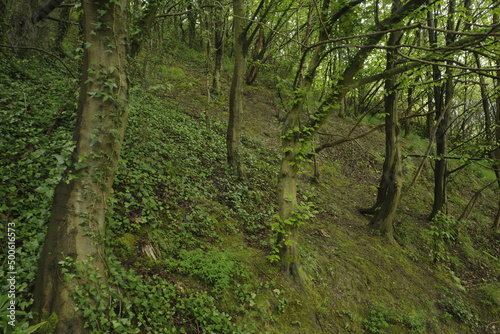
(496,151)
(391,182)
(243,37)
(75,236)
(443,112)
(235,96)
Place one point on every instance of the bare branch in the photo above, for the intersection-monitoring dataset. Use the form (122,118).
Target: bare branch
(41,50)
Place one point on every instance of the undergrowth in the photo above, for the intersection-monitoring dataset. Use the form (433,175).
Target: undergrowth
(37,117)
(182,232)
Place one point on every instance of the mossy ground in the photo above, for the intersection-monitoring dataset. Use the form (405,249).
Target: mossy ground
(356,278)
(188,242)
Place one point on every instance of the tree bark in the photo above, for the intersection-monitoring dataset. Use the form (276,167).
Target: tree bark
(443,112)
(287,182)
(219,48)
(235,97)
(391,181)
(496,152)
(76,229)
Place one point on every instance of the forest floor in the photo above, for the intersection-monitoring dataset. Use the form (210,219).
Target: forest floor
(188,243)
(358,281)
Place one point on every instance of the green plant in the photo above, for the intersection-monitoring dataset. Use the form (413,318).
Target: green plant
(378,320)
(302,213)
(455,306)
(37,114)
(214,268)
(442,230)
(381,317)
(132,303)
(10,323)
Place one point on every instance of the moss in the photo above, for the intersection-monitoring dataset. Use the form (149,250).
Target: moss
(492,293)
(49,327)
(129,241)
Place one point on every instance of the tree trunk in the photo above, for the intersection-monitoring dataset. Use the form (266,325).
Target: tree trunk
(4,22)
(76,228)
(144,26)
(62,29)
(219,49)
(192,17)
(441,164)
(496,152)
(287,203)
(287,183)
(257,56)
(44,12)
(235,97)
(390,184)
(443,112)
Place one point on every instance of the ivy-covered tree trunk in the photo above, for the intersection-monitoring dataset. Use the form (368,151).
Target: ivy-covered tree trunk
(292,144)
(235,97)
(287,202)
(74,243)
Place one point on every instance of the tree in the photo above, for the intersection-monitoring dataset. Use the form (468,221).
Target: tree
(235,95)
(293,153)
(296,137)
(391,182)
(74,244)
(496,148)
(443,112)
(243,37)
(218,35)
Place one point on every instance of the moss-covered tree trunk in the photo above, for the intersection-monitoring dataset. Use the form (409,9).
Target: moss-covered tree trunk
(391,181)
(236,97)
(292,143)
(287,204)
(77,226)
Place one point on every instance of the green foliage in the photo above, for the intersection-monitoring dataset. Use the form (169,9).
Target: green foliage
(37,116)
(382,317)
(214,268)
(21,326)
(134,303)
(492,294)
(160,199)
(377,322)
(455,306)
(442,230)
(302,213)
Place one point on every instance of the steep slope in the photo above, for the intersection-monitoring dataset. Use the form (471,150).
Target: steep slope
(188,243)
(358,281)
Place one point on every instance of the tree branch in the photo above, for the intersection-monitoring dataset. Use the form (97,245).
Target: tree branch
(364,134)
(41,50)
